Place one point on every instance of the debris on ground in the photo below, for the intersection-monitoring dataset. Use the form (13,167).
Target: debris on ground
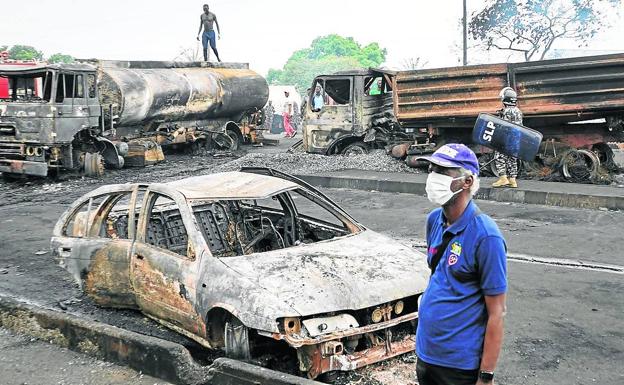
(302,163)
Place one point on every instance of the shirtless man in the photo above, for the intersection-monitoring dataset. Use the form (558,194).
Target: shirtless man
(206,20)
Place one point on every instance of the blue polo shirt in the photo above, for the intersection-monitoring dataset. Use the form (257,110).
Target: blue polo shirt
(452,313)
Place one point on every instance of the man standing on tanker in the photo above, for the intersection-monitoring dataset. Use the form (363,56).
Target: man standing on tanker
(507,166)
(206,20)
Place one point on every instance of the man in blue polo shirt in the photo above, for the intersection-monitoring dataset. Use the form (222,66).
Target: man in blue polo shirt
(460,326)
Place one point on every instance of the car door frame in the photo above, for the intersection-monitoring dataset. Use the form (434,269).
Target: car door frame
(89,256)
(165,282)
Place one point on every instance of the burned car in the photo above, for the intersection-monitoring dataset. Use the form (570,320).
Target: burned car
(247,259)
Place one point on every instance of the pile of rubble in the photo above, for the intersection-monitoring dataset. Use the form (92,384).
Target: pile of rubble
(302,163)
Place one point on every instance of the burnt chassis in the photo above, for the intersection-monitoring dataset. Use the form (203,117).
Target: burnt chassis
(213,321)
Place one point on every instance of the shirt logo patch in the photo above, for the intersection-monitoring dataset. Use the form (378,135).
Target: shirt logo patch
(456,248)
(452,259)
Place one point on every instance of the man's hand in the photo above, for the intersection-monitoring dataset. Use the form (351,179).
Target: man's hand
(197,37)
(219,36)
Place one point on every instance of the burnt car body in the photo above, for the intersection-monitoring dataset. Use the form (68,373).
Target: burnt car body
(244,259)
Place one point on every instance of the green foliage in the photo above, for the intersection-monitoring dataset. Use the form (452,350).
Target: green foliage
(24,52)
(60,58)
(326,55)
(3,47)
(531,27)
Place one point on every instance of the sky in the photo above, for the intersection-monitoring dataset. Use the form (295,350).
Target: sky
(263,33)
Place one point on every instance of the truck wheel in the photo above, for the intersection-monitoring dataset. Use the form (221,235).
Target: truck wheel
(328,377)
(10,177)
(355,148)
(236,139)
(236,339)
(93,164)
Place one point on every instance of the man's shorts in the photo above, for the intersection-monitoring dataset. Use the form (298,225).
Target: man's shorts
(209,36)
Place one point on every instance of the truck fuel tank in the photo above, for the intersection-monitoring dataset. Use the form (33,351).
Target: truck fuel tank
(180,93)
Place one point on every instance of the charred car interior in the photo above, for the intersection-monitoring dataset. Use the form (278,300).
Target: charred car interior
(230,227)
(249,262)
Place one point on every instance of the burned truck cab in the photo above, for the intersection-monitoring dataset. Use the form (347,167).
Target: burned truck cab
(47,107)
(350,112)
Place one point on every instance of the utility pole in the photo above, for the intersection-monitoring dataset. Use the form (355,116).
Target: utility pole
(465,31)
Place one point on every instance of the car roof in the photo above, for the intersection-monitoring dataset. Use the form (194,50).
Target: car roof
(231,185)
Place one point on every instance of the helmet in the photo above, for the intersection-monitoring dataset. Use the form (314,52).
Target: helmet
(508,96)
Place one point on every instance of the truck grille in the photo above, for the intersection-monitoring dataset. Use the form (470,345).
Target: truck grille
(12,150)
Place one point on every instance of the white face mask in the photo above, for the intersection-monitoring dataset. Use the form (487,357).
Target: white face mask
(438,188)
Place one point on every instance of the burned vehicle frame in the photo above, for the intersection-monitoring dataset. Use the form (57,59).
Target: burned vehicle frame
(80,117)
(246,260)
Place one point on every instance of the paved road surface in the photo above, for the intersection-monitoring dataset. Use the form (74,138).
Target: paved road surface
(564,325)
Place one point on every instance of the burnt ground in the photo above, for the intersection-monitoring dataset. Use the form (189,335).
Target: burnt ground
(30,207)
(564,326)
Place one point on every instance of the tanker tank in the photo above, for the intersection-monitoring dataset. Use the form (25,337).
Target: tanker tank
(172,92)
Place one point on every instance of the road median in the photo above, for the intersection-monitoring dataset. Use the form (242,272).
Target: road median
(150,355)
(532,192)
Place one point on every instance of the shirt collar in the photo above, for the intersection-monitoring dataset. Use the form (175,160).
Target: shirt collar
(462,222)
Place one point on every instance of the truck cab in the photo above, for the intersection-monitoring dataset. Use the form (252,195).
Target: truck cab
(44,111)
(351,112)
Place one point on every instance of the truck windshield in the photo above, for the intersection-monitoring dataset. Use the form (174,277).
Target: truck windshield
(28,87)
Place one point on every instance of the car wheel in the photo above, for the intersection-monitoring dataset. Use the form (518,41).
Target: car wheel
(355,148)
(237,340)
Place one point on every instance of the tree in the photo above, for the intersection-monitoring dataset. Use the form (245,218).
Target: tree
(60,58)
(3,47)
(24,52)
(531,27)
(326,54)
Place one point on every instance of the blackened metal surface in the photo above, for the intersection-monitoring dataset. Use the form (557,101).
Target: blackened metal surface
(576,87)
(174,94)
(443,93)
(550,92)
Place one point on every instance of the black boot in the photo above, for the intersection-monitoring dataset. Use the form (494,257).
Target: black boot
(205,54)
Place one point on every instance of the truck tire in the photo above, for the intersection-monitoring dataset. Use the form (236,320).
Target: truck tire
(355,148)
(328,377)
(236,139)
(11,177)
(93,164)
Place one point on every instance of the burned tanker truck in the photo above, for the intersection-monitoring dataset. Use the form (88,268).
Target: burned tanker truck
(84,116)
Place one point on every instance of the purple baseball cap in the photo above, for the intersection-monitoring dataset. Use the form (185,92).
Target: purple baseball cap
(454,155)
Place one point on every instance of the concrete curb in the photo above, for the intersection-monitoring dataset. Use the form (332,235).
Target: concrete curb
(611,201)
(152,356)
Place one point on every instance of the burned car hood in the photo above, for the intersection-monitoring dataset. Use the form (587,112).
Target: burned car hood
(351,272)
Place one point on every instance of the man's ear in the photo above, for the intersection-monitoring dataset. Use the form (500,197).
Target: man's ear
(468,182)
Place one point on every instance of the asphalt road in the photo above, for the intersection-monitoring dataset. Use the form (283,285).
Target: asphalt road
(564,326)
